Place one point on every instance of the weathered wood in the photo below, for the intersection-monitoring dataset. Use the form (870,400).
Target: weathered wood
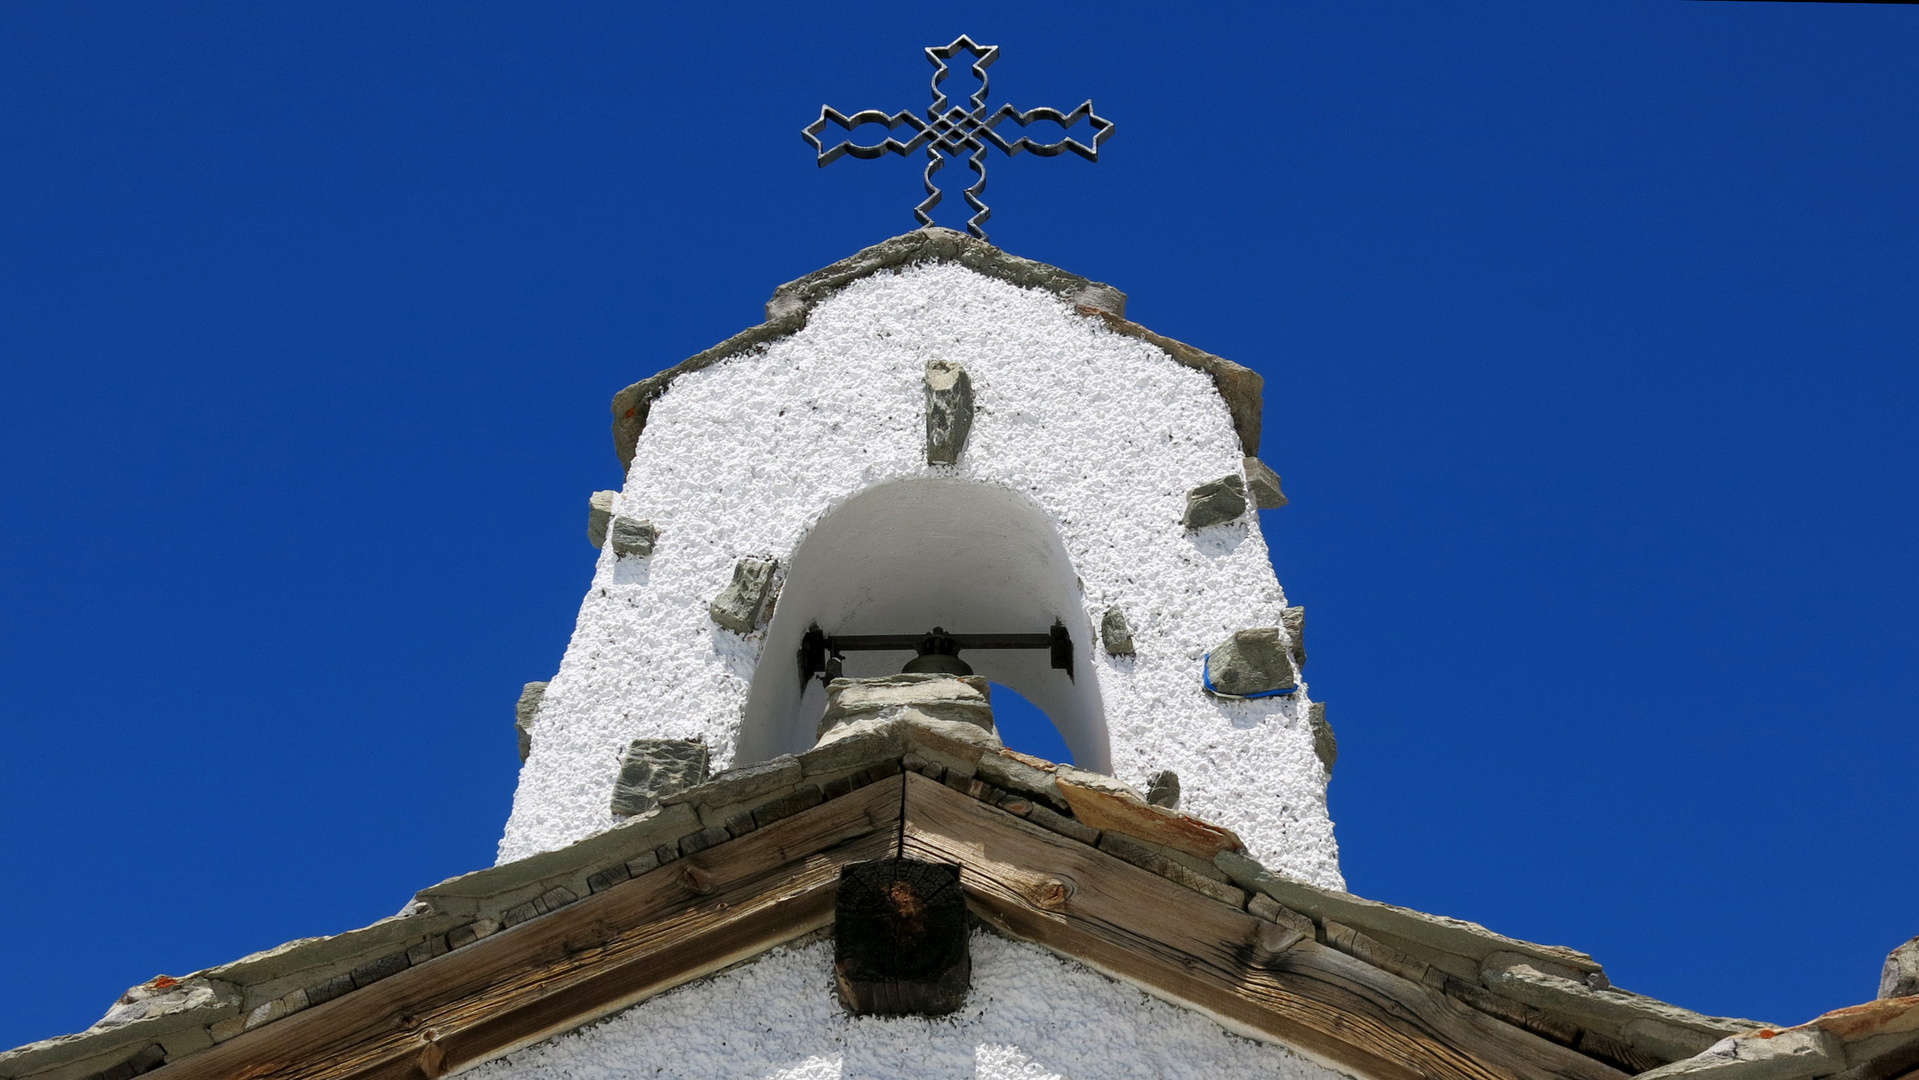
(736,900)
(900,938)
(601,954)
(1151,932)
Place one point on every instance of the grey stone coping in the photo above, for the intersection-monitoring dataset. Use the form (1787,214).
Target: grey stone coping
(1786,1055)
(793,302)
(177,1005)
(1553,991)
(1457,936)
(921,695)
(936,244)
(780,775)
(1592,1001)
(1874,1041)
(272,972)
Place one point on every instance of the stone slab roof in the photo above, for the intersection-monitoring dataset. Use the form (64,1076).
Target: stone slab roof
(491,960)
(787,311)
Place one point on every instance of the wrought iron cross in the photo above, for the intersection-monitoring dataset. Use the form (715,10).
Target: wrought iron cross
(950,131)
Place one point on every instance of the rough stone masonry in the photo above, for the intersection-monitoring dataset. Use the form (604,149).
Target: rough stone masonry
(949,411)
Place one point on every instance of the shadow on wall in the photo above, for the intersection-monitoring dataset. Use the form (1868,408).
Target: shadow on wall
(904,557)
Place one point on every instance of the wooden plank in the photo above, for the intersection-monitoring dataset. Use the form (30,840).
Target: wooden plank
(1149,931)
(736,900)
(598,955)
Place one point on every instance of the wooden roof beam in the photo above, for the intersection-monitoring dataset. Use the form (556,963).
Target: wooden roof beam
(736,900)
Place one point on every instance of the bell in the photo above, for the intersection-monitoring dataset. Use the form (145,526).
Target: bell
(938,655)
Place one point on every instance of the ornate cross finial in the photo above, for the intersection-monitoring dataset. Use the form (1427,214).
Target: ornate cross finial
(950,131)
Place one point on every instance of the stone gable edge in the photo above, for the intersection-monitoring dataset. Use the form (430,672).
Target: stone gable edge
(793,302)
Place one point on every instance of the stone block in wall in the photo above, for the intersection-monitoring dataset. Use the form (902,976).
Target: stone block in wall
(741,604)
(1215,502)
(1162,789)
(1251,662)
(632,536)
(1262,483)
(599,512)
(652,769)
(1115,634)
(526,712)
(1900,976)
(1021,773)
(1325,746)
(1293,619)
(949,411)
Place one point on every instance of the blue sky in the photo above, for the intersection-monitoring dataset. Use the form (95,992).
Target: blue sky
(1588,329)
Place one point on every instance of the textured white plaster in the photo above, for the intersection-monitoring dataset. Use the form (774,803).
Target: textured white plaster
(1102,433)
(1028,1016)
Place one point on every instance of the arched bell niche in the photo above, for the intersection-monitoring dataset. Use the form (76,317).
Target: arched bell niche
(904,557)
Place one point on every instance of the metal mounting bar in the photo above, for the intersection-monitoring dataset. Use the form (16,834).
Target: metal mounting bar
(820,653)
(897,642)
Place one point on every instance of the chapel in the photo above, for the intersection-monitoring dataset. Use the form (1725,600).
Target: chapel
(766,824)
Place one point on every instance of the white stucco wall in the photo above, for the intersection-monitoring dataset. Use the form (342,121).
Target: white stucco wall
(1028,1016)
(1098,433)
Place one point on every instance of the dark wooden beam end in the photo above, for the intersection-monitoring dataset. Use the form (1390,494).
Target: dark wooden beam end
(900,929)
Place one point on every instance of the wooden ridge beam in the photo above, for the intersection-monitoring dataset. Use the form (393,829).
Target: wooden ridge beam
(610,950)
(1139,927)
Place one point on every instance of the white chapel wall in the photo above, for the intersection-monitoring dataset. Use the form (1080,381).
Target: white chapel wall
(1099,434)
(1028,1016)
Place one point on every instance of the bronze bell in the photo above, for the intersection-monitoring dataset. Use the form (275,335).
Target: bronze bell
(938,655)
